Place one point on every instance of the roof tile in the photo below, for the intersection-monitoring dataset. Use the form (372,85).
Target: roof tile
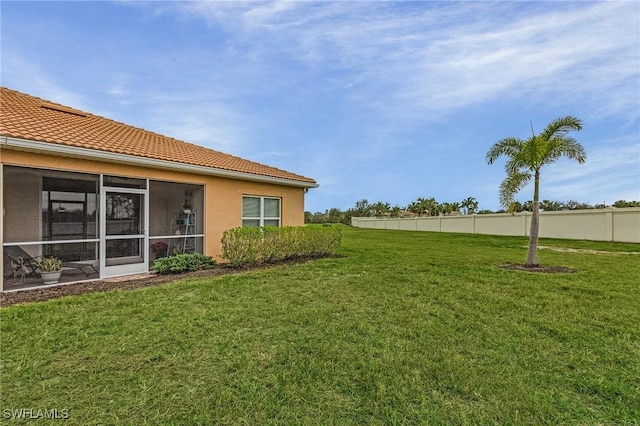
(28,117)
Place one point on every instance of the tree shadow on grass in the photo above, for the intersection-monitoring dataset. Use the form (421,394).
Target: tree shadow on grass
(538,269)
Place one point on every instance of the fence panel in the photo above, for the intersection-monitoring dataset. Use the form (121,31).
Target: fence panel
(610,224)
(626,226)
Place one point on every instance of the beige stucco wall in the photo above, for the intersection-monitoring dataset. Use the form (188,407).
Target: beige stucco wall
(626,225)
(462,224)
(609,224)
(579,225)
(407,224)
(502,224)
(429,224)
(222,196)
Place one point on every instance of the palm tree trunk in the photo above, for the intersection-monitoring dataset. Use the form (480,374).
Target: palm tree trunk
(532,255)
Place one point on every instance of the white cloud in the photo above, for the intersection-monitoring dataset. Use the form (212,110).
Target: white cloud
(610,173)
(552,54)
(202,122)
(28,77)
(430,59)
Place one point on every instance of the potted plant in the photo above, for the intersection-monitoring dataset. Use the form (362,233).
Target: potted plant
(50,270)
(159,249)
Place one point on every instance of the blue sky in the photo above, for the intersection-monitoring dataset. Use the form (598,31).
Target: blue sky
(388,101)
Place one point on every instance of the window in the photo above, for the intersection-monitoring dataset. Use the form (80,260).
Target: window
(260,211)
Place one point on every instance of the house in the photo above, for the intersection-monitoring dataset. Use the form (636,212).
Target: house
(108,198)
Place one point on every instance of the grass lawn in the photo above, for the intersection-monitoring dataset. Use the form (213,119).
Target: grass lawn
(405,328)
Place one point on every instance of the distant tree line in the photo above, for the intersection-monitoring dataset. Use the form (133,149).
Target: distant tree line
(431,207)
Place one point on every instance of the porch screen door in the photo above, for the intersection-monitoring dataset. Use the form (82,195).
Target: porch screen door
(124,231)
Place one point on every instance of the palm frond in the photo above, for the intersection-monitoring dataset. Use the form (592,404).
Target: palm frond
(567,147)
(506,146)
(516,164)
(533,151)
(560,127)
(513,183)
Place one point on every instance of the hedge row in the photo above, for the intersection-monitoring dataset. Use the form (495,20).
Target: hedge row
(248,246)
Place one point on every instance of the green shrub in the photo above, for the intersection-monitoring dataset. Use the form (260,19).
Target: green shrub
(247,246)
(240,246)
(183,263)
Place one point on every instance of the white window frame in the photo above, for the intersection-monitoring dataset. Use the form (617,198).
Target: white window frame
(261,218)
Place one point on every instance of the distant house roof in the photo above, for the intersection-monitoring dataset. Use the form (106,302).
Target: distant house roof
(30,118)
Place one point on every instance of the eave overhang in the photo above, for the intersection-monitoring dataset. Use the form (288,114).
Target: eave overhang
(113,157)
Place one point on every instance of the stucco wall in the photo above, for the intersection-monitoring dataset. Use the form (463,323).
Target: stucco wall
(503,224)
(626,226)
(609,224)
(222,196)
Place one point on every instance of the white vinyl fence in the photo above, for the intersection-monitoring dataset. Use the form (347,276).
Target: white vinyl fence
(609,224)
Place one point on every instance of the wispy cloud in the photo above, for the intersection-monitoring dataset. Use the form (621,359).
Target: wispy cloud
(438,58)
(607,167)
(202,121)
(398,66)
(37,82)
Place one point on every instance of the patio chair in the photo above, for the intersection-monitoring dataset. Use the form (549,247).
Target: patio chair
(21,261)
(87,267)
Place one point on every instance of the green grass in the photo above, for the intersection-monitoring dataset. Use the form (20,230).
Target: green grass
(406,328)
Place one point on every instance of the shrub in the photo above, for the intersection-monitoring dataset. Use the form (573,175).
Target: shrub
(50,264)
(240,246)
(247,246)
(188,262)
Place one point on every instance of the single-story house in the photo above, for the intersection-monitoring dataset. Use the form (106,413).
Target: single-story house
(107,198)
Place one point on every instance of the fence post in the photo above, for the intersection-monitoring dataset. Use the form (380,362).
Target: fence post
(608,216)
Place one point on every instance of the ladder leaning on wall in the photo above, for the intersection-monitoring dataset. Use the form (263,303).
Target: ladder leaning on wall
(183,226)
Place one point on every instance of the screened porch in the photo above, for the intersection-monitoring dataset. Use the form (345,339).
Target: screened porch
(98,226)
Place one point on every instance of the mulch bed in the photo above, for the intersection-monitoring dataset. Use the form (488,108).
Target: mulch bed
(62,290)
(539,268)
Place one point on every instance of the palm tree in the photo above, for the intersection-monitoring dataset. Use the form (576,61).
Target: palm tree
(526,158)
(469,205)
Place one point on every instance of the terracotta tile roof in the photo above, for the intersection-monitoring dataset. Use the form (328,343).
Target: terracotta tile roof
(28,117)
